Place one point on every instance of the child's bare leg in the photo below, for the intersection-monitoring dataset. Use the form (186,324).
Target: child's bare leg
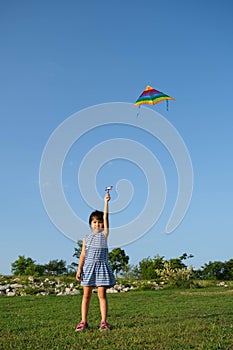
(87,293)
(103,303)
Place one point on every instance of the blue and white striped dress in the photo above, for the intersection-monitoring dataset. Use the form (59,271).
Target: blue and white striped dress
(96,269)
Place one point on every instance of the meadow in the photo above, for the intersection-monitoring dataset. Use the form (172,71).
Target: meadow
(166,319)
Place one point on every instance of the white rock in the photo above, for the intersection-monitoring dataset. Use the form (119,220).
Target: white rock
(112,290)
(17,279)
(119,287)
(43,293)
(16,285)
(74,292)
(2,288)
(60,293)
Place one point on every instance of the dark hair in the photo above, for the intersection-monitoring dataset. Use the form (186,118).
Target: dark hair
(96,214)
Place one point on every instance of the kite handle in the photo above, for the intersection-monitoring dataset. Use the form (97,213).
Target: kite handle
(108,188)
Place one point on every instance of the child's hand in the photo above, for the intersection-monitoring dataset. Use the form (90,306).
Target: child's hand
(78,276)
(107,197)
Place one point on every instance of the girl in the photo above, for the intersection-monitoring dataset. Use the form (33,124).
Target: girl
(94,269)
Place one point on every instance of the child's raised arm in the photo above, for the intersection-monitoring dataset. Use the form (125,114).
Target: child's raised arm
(106,223)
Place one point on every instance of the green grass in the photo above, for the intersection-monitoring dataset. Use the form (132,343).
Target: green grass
(164,319)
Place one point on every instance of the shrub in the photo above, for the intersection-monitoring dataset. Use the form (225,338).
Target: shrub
(177,277)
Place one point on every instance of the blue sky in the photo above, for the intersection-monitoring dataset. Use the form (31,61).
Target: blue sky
(59,57)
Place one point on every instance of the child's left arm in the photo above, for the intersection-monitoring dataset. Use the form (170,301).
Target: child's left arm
(81,263)
(106,223)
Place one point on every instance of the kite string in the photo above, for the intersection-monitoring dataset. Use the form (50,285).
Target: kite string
(138,110)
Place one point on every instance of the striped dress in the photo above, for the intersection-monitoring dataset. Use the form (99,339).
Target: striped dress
(96,269)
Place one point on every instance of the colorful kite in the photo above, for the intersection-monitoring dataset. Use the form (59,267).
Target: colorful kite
(151,96)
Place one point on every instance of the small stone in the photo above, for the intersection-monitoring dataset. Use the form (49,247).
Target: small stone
(112,290)
(60,293)
(74,292)
(16,285)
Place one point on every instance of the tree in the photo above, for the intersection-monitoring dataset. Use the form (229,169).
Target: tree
(77,252)
(148,267)
(55,267)
(217,270)
(131,272)
(228,270)
(23,266)
(118,260)
(39,270)
(177,263)
(213,270)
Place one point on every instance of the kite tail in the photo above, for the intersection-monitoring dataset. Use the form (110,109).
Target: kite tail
(167,105)
(138,111)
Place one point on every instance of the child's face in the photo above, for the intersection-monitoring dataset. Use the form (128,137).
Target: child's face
(97,225)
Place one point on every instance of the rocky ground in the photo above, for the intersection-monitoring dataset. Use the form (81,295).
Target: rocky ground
(30,285)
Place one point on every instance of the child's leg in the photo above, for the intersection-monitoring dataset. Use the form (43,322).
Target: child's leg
(87,293)
(103,303)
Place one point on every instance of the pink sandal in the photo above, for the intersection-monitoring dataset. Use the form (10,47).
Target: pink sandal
(104,326)
(81,326)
